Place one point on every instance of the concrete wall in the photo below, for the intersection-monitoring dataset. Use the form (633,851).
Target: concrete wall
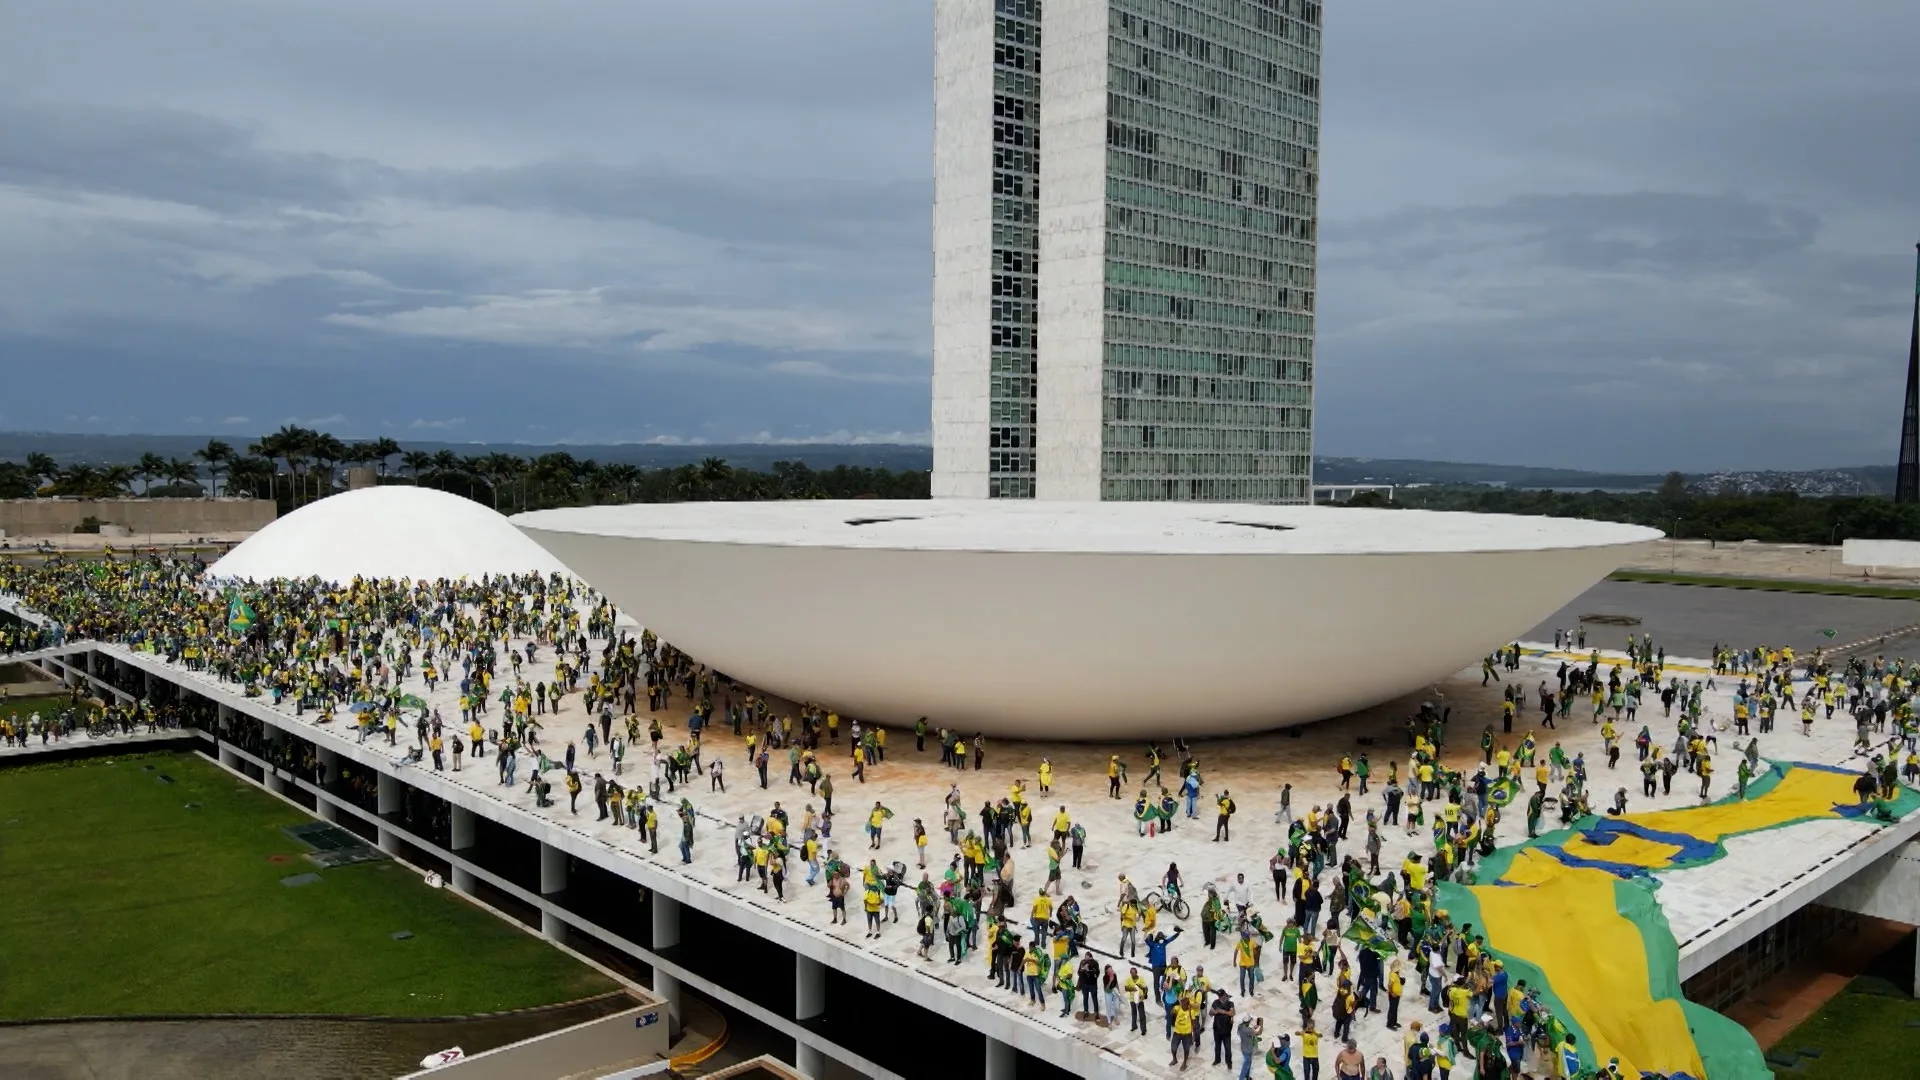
(1073,248)
(962,244)
(603,1045)
(1887,889)
(1894,554)
(50,517)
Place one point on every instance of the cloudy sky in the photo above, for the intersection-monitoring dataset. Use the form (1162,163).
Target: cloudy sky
(1639,234)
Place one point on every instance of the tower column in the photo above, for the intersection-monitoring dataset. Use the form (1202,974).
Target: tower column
(553,881)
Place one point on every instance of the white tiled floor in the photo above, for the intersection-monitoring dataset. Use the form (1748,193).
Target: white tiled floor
(913,785)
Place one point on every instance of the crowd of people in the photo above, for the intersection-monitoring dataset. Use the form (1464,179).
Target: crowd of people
(548,681)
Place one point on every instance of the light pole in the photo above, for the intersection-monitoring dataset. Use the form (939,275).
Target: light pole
(1673,550)
(1833,541)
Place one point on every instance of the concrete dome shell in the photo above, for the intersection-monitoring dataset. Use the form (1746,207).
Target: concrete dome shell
(392,531)
(1083,620)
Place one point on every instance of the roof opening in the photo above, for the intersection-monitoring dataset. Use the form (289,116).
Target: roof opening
(878,520)
(1257,525)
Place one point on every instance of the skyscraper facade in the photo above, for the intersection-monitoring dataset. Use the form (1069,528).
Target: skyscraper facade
(986,246)
(1170,350)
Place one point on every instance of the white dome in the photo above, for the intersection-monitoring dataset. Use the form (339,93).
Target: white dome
(394,531)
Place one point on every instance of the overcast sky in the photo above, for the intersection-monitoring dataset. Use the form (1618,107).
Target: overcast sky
(1636,234)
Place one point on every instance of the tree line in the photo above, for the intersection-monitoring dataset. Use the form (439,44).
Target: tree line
(1684,512)
(295,465)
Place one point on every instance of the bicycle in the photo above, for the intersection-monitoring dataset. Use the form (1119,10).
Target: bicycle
(1157,900)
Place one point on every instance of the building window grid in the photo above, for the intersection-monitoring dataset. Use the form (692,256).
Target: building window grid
(1206,437)
(1194,27)
(1201,209)
(1212,106)
(1141,362)
(1014,310)
(1149,224)
(1151,63)
(1172,151)
(1133,109)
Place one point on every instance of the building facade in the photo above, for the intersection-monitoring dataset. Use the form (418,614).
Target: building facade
(986,246)
(1161,159)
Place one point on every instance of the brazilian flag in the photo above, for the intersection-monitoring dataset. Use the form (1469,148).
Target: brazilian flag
(240,615)
(1364,933)
(1502,792)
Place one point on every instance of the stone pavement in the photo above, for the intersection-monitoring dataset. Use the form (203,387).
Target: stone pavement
(81,738)
(914,785)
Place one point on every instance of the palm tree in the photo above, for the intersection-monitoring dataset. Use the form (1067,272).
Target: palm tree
(251,474)
(151,465)
(289,444)
(118,479)
(78,481)
(42,469)
(327,452)
(416,462)
(621,477)
(382,449)
(217,455)
(178,472)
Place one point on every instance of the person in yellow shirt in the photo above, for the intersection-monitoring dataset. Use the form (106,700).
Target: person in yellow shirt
(1184,1035)
(1046,776)
(1135,989)
(1041,917)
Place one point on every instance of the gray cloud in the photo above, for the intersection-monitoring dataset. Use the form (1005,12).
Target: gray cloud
(1626,235)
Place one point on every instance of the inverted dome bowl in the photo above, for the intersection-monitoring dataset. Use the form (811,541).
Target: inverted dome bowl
(1082,620)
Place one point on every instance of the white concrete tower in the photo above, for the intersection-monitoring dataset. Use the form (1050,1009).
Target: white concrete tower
(1175,204)
(986,174)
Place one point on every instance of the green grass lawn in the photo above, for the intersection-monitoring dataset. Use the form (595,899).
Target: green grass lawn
(1826,588)
(45,704)
(1868,1031)
(123,899)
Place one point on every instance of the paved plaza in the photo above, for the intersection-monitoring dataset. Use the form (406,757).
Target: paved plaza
(914,785)
(1690,620)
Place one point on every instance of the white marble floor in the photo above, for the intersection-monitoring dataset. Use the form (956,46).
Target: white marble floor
(1253,768)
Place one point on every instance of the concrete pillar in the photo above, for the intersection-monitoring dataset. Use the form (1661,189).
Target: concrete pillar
(146,680)
(809,988)
(809,1001)
(389,803)
(1002,1060)
(553,880)
(329,761)
(666,934)
(228,757)
(277,781)
(90,655)
(463,829)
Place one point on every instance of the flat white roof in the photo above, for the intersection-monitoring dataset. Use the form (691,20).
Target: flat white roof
(1013,525)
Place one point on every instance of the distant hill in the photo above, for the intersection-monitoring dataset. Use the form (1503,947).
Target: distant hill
(68,449)
(1857,480)
(1351,470)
